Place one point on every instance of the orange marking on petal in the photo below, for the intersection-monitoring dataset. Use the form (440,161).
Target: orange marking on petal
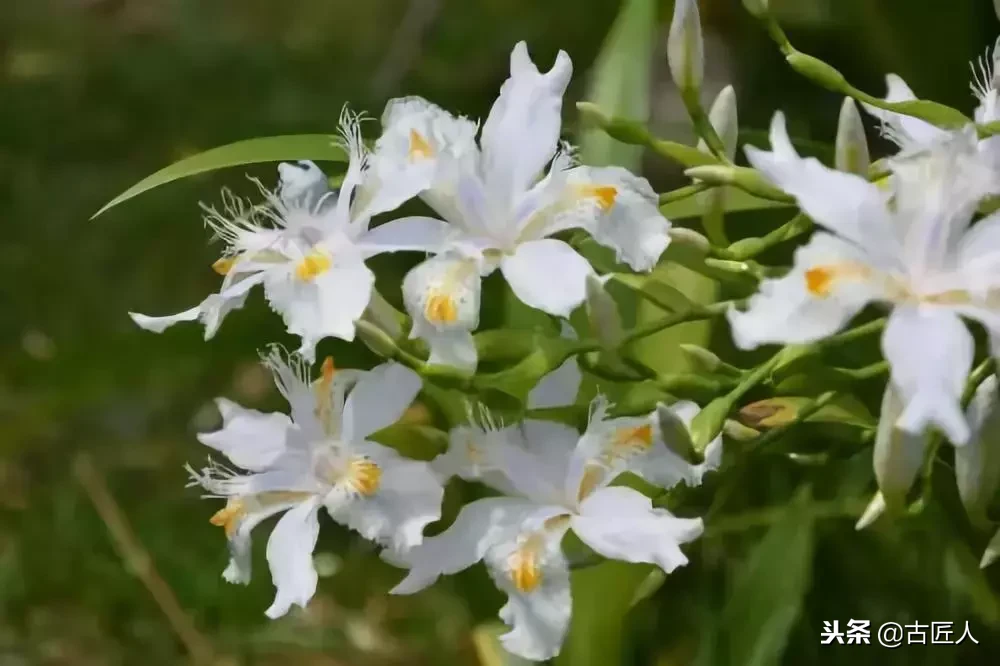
(419,148)
(224,265)
(313,265)
(525,569)
(229,516)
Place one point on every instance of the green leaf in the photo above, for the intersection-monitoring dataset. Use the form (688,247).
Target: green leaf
(602,595)
(620,83)
(489,650)
(317,147)
(767,595)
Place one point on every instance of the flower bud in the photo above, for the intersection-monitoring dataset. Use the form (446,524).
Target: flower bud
(707,425)
(898,455)
(977,464)
(759,7)
(993,547)
(996,7)
(685,46)
(817,70)
(703,360)
(690,239)
(770,413)
(852,144)
(602,312)
(376,339)
(874,509)
(737,431)
(675,432)
(725,120)
(745,178)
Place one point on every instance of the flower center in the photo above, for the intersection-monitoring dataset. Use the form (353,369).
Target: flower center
(364,476)
(419,148)
(312,265)
(441,309)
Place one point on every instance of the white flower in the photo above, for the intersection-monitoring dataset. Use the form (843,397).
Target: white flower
(502,212)
(912,134)
(909,246)
(308,245)
(318,457)
(562,483)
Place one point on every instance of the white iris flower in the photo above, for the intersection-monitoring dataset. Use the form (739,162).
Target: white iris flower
(915,134)
(560,482)
(307,245)
(320,456)
(909,246)
(504,198)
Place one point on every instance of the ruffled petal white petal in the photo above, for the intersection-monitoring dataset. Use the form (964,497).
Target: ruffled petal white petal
(251,439)
(930,353)
(289,555)
(621,523)
(379,399)
(547,275)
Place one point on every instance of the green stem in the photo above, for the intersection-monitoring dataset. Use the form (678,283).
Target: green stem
(694,314)
(682,193)
(751,247)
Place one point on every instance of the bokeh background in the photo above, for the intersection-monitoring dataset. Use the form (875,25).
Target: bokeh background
(98,417)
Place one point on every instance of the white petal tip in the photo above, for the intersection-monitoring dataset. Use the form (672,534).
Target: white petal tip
(875,509)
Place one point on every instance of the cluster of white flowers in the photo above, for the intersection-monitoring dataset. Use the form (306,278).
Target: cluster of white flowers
(905,240)
(502,198)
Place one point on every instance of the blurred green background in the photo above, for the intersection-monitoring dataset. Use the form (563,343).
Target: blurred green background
(95,94)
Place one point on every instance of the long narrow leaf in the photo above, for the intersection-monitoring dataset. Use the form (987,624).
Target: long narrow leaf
(317,147)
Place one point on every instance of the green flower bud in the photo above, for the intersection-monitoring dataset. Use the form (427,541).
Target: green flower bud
(685,46)
(745,178)
(707,425)
(703,360)
(992,552)
(690,239)
(739,432)
(759,7)
(602,312)
(898,455)
(725,119)
(817,70)
(380,313)
(675,433)
(852,144)
(977,464)
(874,509)
(376,339)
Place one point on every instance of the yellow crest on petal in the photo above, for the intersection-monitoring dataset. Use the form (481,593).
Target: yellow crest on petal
(419,147)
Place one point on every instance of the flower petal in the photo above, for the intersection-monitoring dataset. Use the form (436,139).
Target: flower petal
(423,148)
(289,554)
(908,132)
(621,524)
(251,439)
(240,566)
(552,443)
(326,305)
(530,474)
(533,572)
(522,131)
(210,312)
(844,203)
(478,527)
(378,400)
(442,297)
(558,388)
(977,465)
(621,211)
(829,283)
(548,275)
(930,354)
(408,498)
(898,454)
(417,234)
